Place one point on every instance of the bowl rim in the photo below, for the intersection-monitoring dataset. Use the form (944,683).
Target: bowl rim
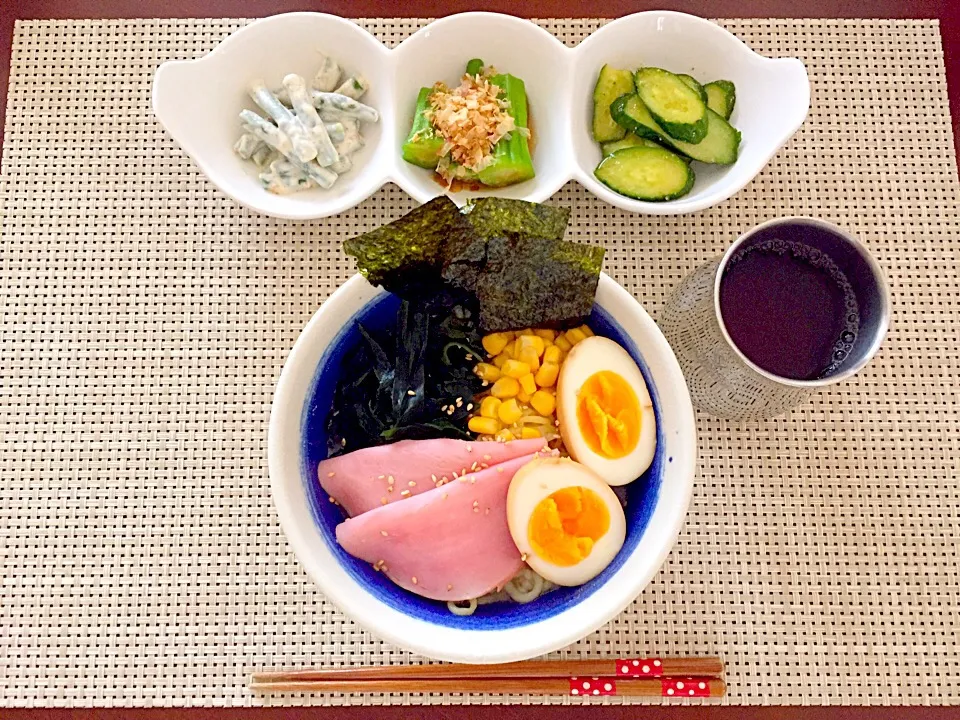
(460,644)
(572,170)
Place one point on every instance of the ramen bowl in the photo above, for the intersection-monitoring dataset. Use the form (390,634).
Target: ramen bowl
(500,632)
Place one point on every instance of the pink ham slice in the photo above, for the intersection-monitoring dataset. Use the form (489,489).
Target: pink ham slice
(361,480)
(452,543)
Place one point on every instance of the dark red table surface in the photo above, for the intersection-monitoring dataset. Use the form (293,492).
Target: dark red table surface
(947,11)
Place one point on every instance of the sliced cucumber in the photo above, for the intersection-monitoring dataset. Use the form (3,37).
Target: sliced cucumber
(721,97)
(676,106)
(646,173)
(631,140)
(691,81)
(611,84)
(719,147)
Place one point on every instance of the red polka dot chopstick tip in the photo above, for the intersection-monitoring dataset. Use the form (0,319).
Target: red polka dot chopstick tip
(624,677)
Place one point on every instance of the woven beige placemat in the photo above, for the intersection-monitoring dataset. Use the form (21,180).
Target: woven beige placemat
(145,319)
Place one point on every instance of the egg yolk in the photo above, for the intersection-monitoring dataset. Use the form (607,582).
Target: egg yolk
(564,526)
(608,414)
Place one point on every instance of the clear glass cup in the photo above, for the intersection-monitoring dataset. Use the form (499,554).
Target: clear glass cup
(722,380)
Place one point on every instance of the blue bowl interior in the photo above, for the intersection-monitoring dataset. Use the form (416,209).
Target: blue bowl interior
(380,315)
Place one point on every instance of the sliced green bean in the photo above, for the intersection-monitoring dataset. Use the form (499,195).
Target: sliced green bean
(328,74)
(347,106)
(352,139)
(266,131)
(342,165)
(264,155)
(334,130)
(353,87)
(306,113)
(247,145)
(284,177)
(303,147)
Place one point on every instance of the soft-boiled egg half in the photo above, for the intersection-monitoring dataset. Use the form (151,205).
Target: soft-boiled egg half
(566,521)
(605,413)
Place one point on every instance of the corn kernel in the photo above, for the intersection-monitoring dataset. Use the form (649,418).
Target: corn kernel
(585,329)
(531,341)
(488,372)
(547,374)
(515,369)
(494,343)
(574,335)
(509,412)
(546,334)
(529,356)
(562,343)
(506,436)
(529,433)
(489,406)
(523,396)
(528,384)
(553,354)
(484,425)
(500,359)
(543,402)
(505,387)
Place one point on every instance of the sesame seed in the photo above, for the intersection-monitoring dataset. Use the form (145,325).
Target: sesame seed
(474,467)
(445,479)
(455,474)
(473,480)
(414,578)
(405,493)
(380,477)
(469,447)
(434,478)
(390,479)
(412,483)
(483,466)
(487,457)
(411,393)
(330,474)
(460,400)
(523,557)
(444,497)
(476,503)
(469,356)
(459,403)
(443,408)
(383,532)
(390,489)
(383,501)
(332,499)
(343,442)
(449,586)
(469,406)
(450,411)
(484,384)
(476,510)
(499,469)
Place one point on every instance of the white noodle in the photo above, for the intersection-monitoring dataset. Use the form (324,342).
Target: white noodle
(458,609)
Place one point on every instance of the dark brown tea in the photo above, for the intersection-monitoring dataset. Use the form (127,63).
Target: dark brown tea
(789,309)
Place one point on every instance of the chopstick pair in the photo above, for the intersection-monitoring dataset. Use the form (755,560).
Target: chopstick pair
(632,677)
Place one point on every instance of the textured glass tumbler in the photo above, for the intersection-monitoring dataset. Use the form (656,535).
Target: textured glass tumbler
(721,379)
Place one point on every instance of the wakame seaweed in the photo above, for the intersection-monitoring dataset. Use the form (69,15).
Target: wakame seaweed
(395,385)
(507,254)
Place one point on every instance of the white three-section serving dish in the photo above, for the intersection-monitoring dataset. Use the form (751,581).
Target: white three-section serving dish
(198,101)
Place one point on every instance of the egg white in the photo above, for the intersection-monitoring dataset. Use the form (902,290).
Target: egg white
(588,357)
(539,479)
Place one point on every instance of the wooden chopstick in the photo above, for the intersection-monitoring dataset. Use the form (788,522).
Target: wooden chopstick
(632,667)
(632,677)
(580,686)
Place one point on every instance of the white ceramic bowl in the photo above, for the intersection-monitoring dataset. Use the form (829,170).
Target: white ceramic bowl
(197,101)
(655,511)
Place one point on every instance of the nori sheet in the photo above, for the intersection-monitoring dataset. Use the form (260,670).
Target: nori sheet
(405,256)
(537,282)
(508,254)
(493,217)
